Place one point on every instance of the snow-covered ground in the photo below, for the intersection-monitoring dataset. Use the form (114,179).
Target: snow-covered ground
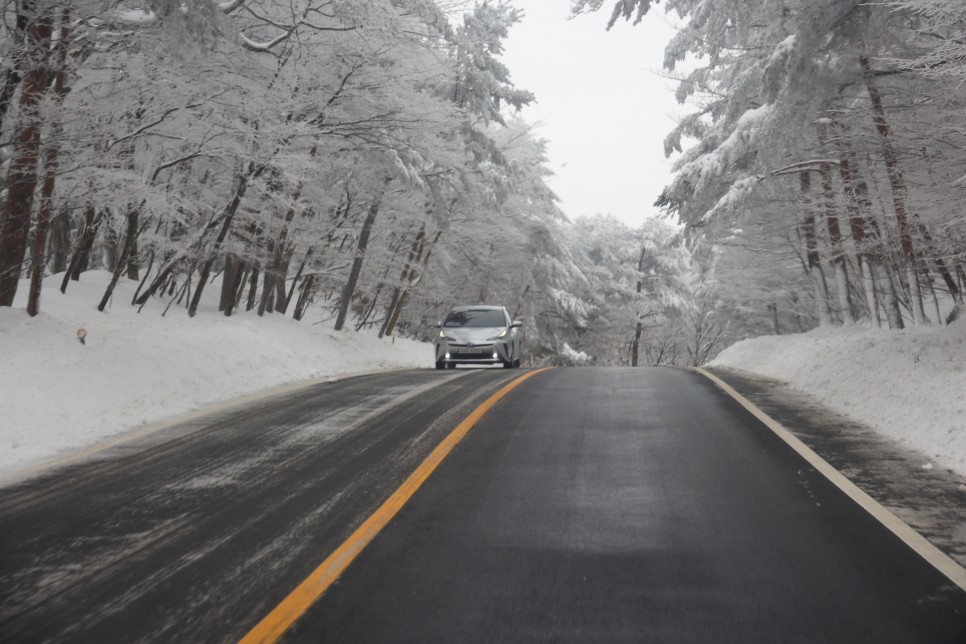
(58,395)
(909,385)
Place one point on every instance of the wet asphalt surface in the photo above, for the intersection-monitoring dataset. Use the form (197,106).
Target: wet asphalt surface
(590,505)
(929,498)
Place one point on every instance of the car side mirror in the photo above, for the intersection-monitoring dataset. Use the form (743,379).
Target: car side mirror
(516,324)
(438,325)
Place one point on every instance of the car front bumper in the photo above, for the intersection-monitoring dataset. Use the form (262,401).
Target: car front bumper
(473,353)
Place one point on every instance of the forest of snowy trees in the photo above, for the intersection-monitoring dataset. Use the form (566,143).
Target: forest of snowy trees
(821,172)
(361,162)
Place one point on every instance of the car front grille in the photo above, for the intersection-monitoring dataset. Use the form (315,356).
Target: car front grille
(468,352)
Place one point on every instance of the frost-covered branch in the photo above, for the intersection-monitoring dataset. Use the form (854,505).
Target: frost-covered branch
(147,126)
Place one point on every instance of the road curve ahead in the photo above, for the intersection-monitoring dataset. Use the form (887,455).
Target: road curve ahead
(588,505)
(636,505)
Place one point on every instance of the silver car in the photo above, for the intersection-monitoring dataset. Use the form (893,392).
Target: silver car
(478,335)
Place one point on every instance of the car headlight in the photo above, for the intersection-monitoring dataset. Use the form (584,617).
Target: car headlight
(442,334)
(497,337)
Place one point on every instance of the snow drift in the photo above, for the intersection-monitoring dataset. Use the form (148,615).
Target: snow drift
(60,395)
(909,385)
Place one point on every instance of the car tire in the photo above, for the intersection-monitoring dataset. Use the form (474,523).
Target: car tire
(508,365)
(440,365)
(450,365)
(516,363)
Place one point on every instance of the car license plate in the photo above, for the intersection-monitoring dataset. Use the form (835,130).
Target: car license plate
(469,350)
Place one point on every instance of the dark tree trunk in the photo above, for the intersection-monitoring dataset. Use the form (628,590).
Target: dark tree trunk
(82,251)
(59,242)
(144,279)
(229,283)
(400,294)
(940,263)
(22,174)
(229,215)
(350,285)
(240,283)
(843,284)
(364,320)
(58,78)
(773,309)
(283,306)
(252,288)
(12,78)
(305,296)
(639,326)
(130,243)
(133,267)
(159,282)
(38,261)
(897,183)
(813,260)
(266,302)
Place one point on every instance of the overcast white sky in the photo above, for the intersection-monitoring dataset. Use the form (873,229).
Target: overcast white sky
(601,104)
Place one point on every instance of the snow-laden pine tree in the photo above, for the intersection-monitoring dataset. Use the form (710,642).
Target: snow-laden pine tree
(639,281)
(806,98)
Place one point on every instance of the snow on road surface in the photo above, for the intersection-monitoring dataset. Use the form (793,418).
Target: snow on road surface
(58,395)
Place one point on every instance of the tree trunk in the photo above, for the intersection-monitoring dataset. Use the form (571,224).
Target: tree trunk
(266,303)
(38,264)
(12,78)
(252,288)
(268,281)
(350,285)
(282,306)
(639,326)
(39,256)
(413,279)
(843,286)
(133,268)
(937,259)
(856,203)
(814,264)
(898,186)
(401,295)
(59,242)
(364,320)
(241,278)
(773,309)
(22,174)
(229,215)
(82,251)
(130,243)
(144,279)
(229,283)
(305,296)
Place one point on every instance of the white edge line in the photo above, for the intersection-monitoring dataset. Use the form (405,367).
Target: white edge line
(938,559)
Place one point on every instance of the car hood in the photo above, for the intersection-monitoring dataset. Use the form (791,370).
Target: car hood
(472,334)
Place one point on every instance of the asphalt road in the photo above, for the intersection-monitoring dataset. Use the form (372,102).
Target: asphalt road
(588,505)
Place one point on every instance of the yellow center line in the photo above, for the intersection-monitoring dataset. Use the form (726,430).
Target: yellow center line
(274,625)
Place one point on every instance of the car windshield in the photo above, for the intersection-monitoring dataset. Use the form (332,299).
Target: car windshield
(478,318)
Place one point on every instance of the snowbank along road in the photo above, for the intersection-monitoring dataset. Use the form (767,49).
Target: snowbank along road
(585,505)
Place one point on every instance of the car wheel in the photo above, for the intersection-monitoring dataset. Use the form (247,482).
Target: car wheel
(516,363)
(440,365)
(450,365)
(507,365)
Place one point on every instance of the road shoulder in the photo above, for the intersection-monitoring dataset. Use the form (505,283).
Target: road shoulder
(930,499)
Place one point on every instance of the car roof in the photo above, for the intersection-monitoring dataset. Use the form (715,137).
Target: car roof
(477,307)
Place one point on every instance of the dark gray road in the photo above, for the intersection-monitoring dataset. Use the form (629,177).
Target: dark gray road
(589,505)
